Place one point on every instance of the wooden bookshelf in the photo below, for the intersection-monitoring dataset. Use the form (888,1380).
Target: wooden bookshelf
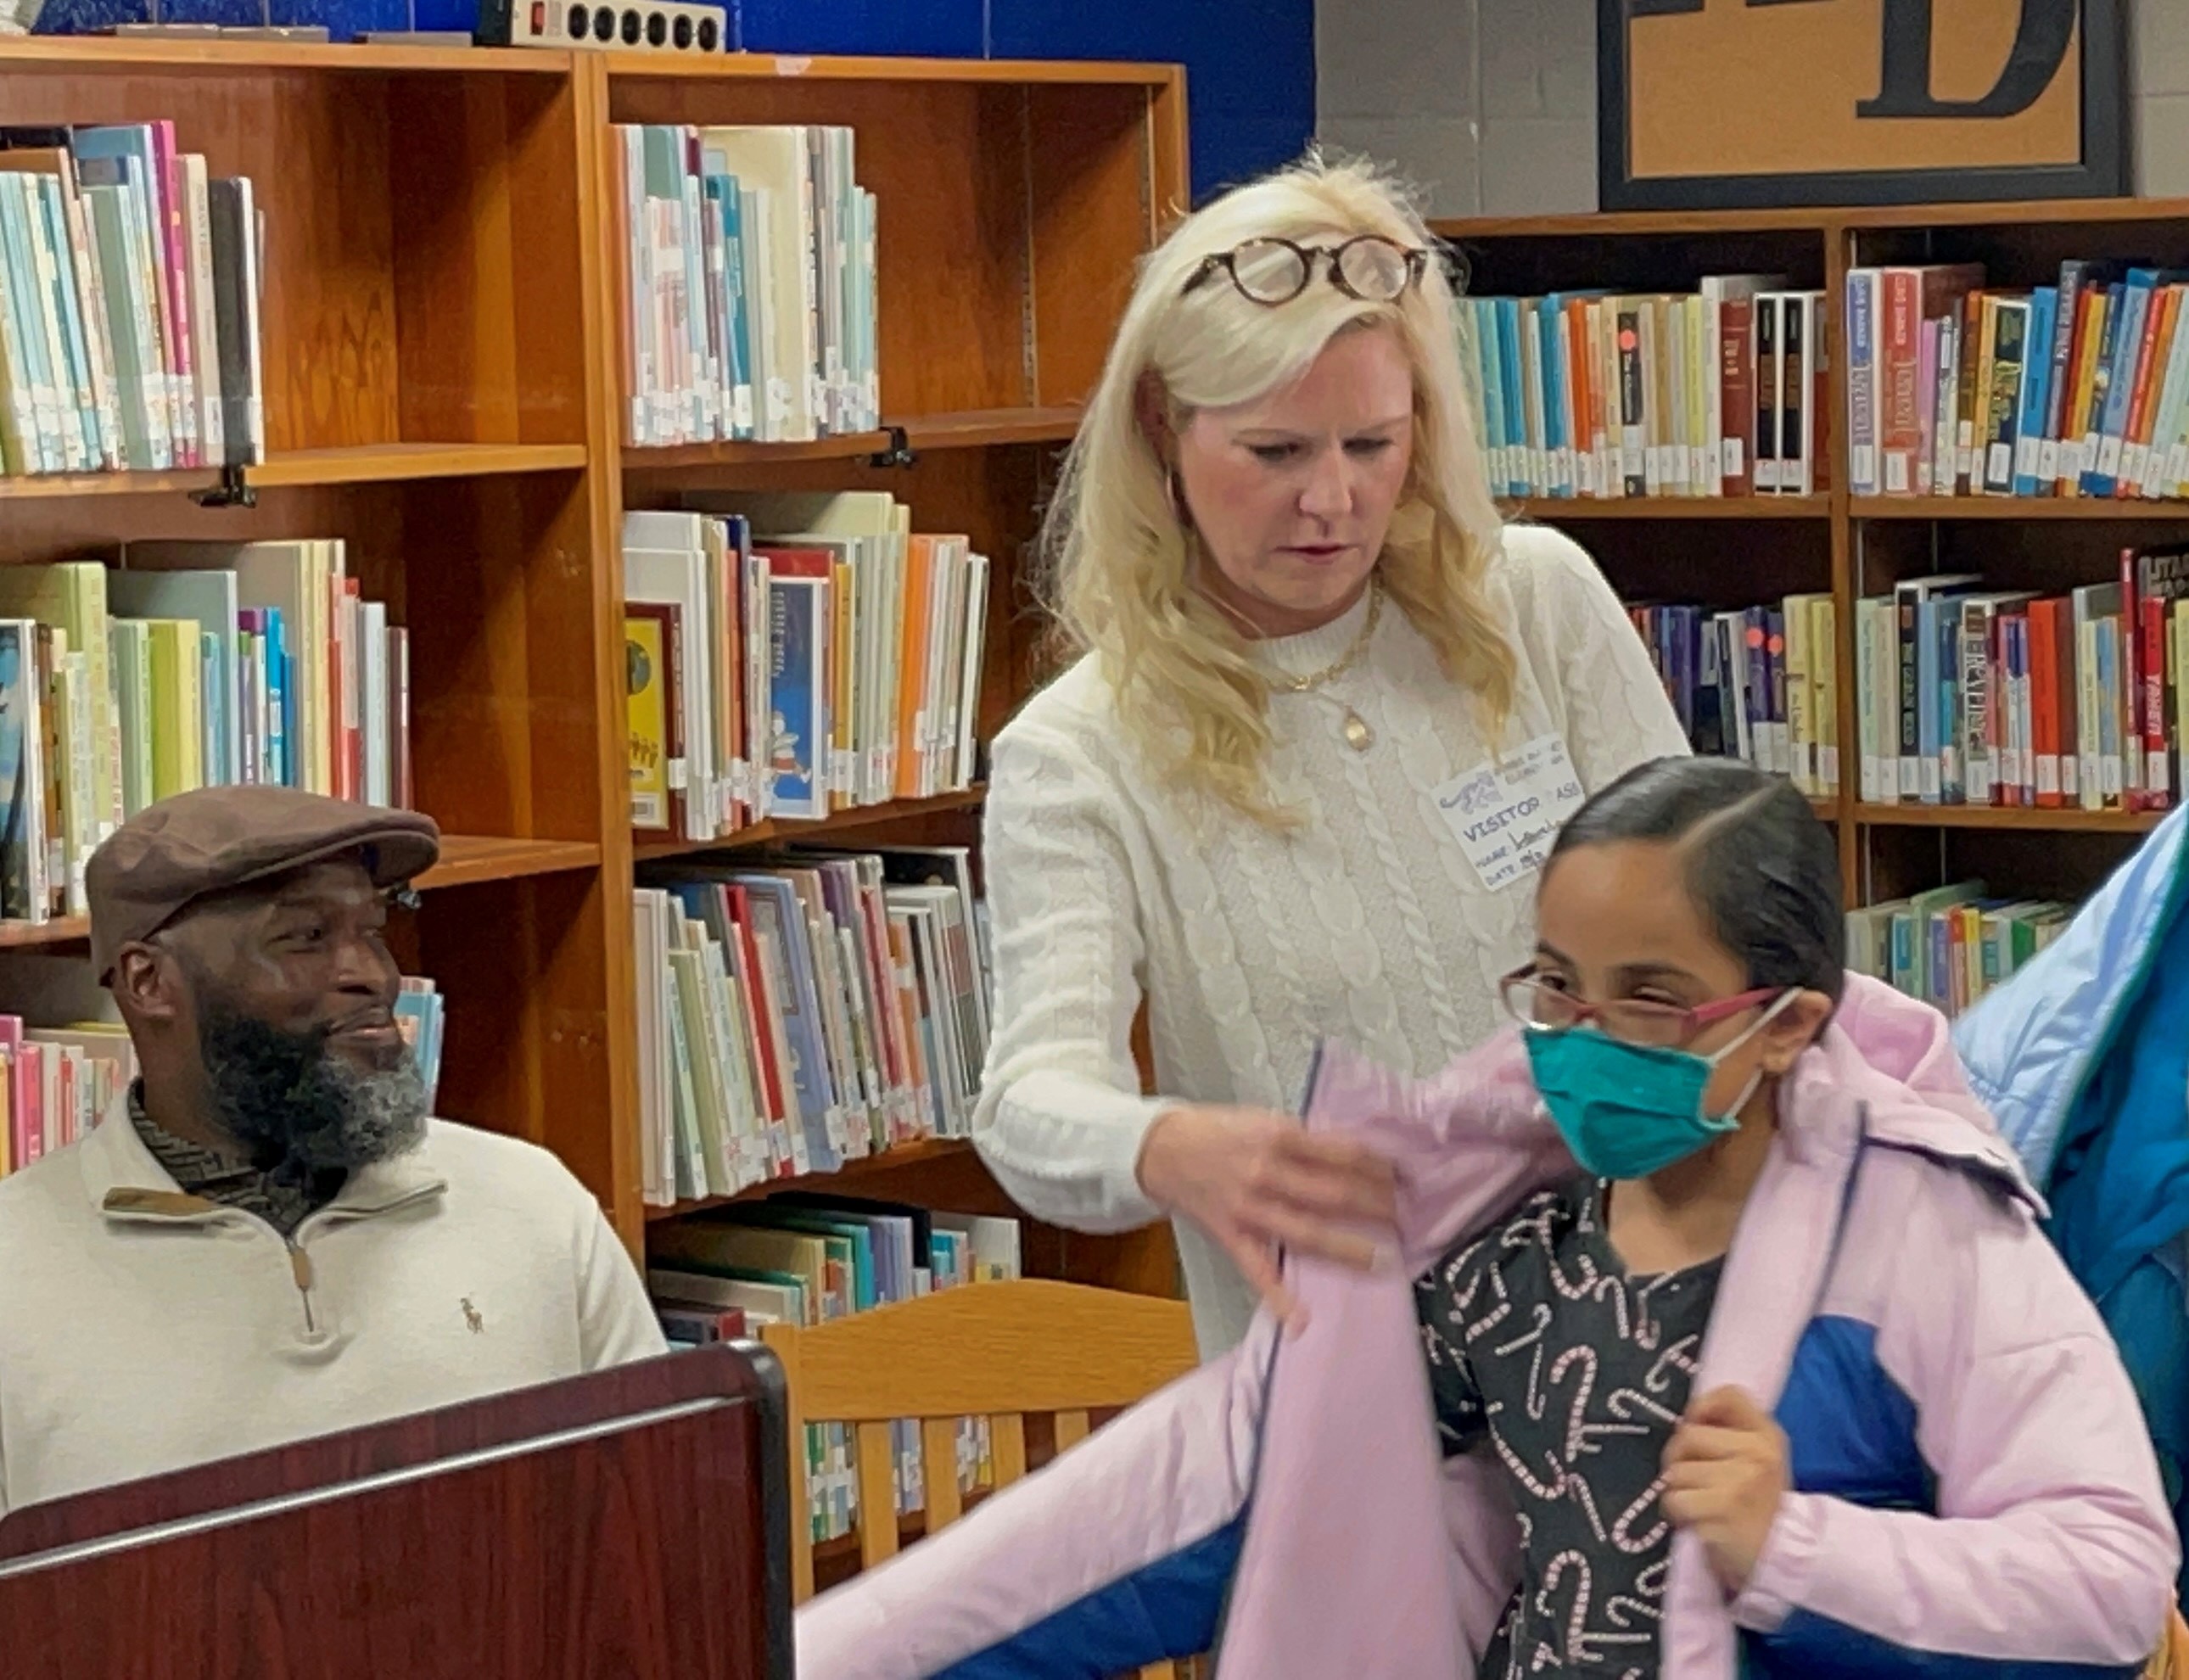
(443,392)
(1014,201)
(1758,548)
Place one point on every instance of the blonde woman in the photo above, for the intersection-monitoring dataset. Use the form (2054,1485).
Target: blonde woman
(1330,711)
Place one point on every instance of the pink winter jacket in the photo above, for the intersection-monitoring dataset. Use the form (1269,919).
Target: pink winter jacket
(1974,1492)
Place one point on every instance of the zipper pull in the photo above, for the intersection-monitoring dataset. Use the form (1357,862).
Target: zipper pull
(300,1263)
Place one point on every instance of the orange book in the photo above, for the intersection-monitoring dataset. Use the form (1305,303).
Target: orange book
(2157,333)
(2052,664)
(2163,322)
(2075,424)
(905,986)
(912,671)
(1581,396)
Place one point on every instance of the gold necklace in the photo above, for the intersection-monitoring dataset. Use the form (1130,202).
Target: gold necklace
(1358,735)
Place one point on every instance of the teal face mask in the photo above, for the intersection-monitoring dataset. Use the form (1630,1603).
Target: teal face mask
(1626,1110)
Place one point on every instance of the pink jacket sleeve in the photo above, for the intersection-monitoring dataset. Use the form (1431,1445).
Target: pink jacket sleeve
(2051,1542)
(1114,1556)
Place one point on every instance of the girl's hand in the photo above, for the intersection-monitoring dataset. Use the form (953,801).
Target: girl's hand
(1255,1180)
(1725,1472)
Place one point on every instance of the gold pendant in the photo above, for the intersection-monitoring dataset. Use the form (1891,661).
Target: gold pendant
(1358,735)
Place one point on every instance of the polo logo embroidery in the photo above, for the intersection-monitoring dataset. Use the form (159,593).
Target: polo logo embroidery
(472,1318)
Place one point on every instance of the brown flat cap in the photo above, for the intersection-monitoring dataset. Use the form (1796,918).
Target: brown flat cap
(182,849)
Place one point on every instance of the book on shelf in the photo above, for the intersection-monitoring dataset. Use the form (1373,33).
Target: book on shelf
(421,1013)
(130,293)
(809,1260)
(795,655)
(190,665)
(57,1083)
(1760,684)
(749,283)
(1726,390)
(2076,388)
(1951,945)
(1971,695)
(797,1013)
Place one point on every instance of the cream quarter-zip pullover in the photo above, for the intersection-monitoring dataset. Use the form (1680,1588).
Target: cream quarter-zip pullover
(143,1330)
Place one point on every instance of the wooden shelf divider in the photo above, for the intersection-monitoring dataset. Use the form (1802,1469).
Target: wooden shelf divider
(849,1178)
(2029,818)
(2000,507)
(466,860)
(786,831)
(1542,508)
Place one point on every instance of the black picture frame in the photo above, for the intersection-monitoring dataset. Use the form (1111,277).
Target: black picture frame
(2102,171)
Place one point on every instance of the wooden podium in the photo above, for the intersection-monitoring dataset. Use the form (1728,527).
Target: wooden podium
(633,1524)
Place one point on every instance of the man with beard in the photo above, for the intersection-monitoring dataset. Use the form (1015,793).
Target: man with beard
(275,1240)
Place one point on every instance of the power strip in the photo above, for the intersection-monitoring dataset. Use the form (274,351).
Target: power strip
(616,25)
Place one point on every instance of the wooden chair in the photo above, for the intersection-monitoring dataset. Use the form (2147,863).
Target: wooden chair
(2172,1662)
(998,1350)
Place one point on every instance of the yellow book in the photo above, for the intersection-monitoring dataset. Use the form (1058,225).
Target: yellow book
(1824,686)
(1702,353)
(1800,696)
(177,707)
(646,666)
(72,596)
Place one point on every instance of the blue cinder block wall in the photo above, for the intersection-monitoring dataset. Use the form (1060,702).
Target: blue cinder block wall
(1249,63)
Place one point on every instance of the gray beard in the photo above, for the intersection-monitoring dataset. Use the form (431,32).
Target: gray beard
(300,1110)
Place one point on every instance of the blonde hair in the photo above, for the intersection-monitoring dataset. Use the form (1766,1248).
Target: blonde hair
(1189,691)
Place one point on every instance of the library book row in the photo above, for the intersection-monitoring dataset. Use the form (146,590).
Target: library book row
(182,665)
(810,1259)
(1952,945)
(750,291)
(1759,684)
(129,305)
(804,1012)
(1724,392)
(57,1083)
(1964,694)
(792,655)
(2076,389)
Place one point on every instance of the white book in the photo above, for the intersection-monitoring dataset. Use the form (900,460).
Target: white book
(657,1113)
(977,642)
(775,160)
(372,670)
(205,331)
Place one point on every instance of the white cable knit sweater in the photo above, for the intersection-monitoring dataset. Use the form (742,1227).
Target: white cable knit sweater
(1369,924)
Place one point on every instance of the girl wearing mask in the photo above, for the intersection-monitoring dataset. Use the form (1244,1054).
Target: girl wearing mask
(1725,1342)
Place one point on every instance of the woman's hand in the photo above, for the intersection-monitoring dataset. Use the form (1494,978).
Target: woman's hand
(1725,1472)
(1255,1180)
